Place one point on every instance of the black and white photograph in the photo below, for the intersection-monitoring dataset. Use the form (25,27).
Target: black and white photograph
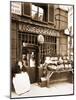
(41,49)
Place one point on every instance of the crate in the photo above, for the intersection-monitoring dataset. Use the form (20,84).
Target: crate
(43,82)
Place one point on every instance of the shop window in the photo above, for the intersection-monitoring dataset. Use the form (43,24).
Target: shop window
(28,38)
(25,38)
(38,13)
(48,48)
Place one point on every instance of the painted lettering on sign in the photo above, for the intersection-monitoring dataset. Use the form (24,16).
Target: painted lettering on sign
(38,30)
(16,8)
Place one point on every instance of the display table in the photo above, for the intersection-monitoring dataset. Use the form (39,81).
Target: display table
(55,66)
(50,73)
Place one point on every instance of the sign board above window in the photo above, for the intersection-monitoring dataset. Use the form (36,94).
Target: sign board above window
(16,8)
(38,30)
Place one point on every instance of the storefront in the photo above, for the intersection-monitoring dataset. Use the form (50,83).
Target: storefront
(34,37)
(37,42)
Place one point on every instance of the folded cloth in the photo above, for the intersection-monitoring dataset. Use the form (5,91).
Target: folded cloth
(60,66)
(52,67)
(21,83)
(70,66)
(66,66)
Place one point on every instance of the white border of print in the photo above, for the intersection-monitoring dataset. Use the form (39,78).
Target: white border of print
(5,47)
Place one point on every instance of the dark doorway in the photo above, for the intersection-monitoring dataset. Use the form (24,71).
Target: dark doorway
(31,52)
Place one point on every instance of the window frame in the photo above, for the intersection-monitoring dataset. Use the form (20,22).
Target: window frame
(43,21)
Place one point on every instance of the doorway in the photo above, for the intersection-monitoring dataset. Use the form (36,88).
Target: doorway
(31,52)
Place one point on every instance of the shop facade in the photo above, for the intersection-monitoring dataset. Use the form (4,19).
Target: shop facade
(37,38)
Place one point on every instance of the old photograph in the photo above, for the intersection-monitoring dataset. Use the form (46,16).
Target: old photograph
(42,49)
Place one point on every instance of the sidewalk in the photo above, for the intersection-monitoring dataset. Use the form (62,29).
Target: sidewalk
(61,88)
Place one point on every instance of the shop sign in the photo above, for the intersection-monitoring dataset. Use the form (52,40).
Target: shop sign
(41,39)
(16,8)
(38,30)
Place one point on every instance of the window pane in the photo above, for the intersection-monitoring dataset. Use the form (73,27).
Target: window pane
(40,10)
(40,16)
(34,15)
(38,13)
(34,12)
(34,8)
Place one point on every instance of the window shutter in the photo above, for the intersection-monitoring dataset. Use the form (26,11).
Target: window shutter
(51,13)
(27,9)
